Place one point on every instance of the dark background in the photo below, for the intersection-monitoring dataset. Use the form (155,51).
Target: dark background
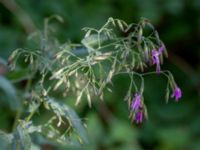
(172,126)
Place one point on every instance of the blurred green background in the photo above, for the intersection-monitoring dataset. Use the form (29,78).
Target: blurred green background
(172,126)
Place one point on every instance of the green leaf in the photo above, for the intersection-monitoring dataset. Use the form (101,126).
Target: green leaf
(19,75)
(93,40)
(62,110)
(21,139)
(10,91)
(5,140)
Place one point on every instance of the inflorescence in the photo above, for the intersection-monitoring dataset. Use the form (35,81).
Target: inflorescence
(85,69)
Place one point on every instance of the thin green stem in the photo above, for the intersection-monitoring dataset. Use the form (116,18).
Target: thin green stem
(30,115)
(19,111)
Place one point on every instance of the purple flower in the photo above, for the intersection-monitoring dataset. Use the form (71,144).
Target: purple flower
(138,117)
(135,104)
(155,57)
(177,93)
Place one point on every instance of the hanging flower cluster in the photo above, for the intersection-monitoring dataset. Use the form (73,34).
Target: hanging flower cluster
(177,93)
(137,106)
(85,69)
(155,57)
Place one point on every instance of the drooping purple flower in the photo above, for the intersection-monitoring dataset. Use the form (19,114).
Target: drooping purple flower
(161,49)
(138,117)
(155,57)
(135,104)
(177,93)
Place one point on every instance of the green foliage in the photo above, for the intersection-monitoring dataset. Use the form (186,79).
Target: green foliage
(178,25)
(21,139)
(75,124)
(5,140)
(106,53)
(10,92)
